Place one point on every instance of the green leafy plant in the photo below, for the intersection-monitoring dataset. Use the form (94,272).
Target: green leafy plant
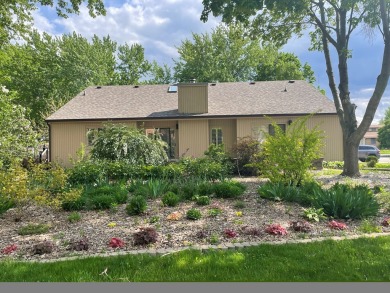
(386,222)
(137,205)
(74,217)
(203,200)
(246,152)
(313,214)
(214,239)
(170,199)
(193,214)
(214,212)
(154,219)
(239,204)
(371,161)
(368,226)
(347,202)
(156,187)
(32,229)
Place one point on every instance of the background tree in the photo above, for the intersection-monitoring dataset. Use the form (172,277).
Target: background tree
(15,15)
(384,131)
(16,132)
(329,23)
(229,54)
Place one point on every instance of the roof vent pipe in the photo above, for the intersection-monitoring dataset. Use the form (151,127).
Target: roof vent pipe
(192,80)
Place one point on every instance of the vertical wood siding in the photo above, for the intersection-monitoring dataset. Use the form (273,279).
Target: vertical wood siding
(229,131)
(67,137)
(333,143)
(193,98)
(193,137)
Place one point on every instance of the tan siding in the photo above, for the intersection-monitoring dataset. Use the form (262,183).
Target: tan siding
(229,132)
(333,145)
(193,137)
(193,98)
(67,137)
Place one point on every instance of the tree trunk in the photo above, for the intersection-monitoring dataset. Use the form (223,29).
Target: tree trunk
(351,160)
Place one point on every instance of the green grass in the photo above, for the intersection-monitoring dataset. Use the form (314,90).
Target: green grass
(364,259)
(385,152)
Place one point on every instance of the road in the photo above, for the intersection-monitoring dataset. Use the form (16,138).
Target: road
(384,159)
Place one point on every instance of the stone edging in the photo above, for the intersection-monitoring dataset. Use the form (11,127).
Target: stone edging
(205,248)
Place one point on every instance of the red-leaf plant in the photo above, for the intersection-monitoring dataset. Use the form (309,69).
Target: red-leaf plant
(276,229)
(9,249)
(229,233)
(337,225)
(386,222)
(116,243)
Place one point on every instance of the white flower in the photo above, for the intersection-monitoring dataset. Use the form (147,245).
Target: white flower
(4,89)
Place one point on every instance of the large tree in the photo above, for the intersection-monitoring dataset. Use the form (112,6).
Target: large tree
(229,54)
(330,23)
(15,15)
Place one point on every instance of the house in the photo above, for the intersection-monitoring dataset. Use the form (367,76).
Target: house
(371,136)
(191,116)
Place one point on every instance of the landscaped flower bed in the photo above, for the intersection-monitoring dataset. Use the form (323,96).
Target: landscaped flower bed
(222,221)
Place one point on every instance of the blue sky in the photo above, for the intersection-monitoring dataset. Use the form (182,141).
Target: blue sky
(161,25)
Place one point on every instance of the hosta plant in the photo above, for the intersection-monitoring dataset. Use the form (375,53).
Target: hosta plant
(9,249)
(276,229)
(313,214)
(337,225)
(116,243)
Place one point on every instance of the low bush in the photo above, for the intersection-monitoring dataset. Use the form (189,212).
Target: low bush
(145,236)
(203,200)
(43,247)
(371,161)
(170,199)
(279,192)
(137,205)
(79,245)
(229,189)
(33,229)
(300,226)
(6,204)
(313,214)
(369,227)
(246,152)
(194,214)
(214,212)
(74,217)
(87,172)
(205,188)
(333,164)
(239,204)
(275,229)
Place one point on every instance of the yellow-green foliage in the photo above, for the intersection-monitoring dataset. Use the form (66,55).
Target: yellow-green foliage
(44,184)
(287,156)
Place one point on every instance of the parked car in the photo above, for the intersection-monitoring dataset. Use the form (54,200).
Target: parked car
(368,150)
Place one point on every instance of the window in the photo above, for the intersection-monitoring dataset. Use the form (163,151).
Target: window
(271,129)
(216,136)
(92,134)
(172,89)
(373,141)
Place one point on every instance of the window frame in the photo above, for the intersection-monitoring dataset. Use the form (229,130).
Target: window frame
(216,136)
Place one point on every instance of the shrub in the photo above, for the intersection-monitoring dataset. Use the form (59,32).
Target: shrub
(386,222)
(239,204)
(170,199)
(137,205)
(279,191)
(116,243)
(288,155)
(79,245)
(214,212)
(74,217)
(300,226)
(87,172)
(337,225)
(43,247)
(346,202)
(371,161)
(189,189)
(253,231)
(275,229)
(246,152)
(203,200)
(193,214)
(205,188)
(229,189)
(74,205)
(6,204)
(145,236)
(204,169)
(118,142)
(333,164)
(33,229)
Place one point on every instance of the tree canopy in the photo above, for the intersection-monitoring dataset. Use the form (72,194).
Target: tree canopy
(330,23)
(15,15)
(228,54)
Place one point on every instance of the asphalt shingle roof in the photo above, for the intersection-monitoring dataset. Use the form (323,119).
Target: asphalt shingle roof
(225,99)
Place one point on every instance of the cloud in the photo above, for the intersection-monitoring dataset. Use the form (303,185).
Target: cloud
(159,26)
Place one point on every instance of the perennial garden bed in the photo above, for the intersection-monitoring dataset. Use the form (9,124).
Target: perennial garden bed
(223,221)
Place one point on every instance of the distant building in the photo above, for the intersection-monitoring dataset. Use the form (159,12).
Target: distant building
(371,136)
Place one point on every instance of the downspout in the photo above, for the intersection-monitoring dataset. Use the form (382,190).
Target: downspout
(50,145)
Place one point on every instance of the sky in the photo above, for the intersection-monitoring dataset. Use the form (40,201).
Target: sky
(160,26)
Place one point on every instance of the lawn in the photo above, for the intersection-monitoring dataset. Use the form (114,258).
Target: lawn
(363,259)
